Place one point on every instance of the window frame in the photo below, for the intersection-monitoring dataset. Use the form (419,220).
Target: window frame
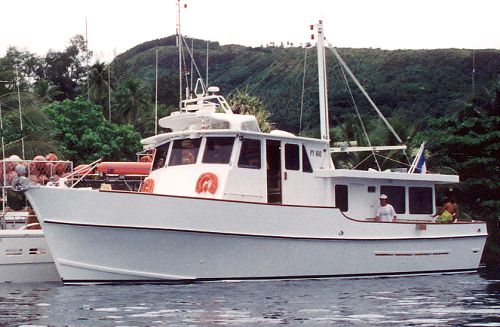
(242,147)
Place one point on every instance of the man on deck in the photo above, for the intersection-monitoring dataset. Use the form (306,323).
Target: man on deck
(385,212)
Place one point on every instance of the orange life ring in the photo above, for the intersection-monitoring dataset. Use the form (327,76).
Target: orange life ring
(148,186)
(207,182)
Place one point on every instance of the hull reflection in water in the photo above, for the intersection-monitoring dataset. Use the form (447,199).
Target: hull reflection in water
(125,236)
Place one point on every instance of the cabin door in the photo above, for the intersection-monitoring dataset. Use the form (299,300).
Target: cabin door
(273,158)
(293,182)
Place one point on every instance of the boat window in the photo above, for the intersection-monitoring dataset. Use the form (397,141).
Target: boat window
(218,150)
(250,154)
(306,164)
(292,157)
(372,189)
(396,195)
(250,126)
(341,197)
(184,152)
(420,199)
(161,156)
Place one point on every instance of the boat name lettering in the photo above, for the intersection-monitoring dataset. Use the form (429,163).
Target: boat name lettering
(315,153)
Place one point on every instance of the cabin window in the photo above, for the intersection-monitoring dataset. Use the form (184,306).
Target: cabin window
(397,197)
(161,156)
(372,189)
(420,199)
(306,164)
(292,157)
(251,126)
(341,197)
(218,150)
(184,152)
(250,156)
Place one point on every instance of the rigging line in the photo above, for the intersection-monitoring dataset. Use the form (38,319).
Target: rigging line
(359,163)
(303,91)
(359,116)
(342,62)
(391,159)
(194,63)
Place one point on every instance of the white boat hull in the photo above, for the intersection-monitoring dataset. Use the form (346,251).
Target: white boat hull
(116,236)
(25,258)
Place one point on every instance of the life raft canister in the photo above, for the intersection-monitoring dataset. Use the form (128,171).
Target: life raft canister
(147,186)
(207,182)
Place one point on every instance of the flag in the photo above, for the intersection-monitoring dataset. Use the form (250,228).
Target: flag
(418,165)
(421,167)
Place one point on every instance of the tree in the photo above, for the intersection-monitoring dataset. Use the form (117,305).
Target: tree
(99,84)
(85,135)
(469,143)
(246,104)
(132,101)
(66,69)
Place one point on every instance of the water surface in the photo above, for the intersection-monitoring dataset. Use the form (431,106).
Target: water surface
(443,300)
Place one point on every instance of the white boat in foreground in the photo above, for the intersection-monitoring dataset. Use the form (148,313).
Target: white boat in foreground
(24,254)
(226,201)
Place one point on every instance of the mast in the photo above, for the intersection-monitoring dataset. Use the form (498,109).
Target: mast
(323,92)
(179,46)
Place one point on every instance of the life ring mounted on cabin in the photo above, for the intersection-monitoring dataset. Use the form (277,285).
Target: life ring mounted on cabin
(207,182)
(147,186)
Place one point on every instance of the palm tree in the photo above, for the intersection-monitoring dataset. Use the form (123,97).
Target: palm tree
(99,83)
(132,101)
(244,103)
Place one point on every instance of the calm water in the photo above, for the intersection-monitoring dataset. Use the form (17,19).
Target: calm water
(447,300)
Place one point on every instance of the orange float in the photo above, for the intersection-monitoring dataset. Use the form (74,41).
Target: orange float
(147,158)
(148,186)
(207,182)
(124,168)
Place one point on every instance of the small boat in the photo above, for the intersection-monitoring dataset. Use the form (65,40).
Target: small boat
(24,253)
(225,201)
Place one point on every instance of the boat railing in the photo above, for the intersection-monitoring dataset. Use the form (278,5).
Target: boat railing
(42,172)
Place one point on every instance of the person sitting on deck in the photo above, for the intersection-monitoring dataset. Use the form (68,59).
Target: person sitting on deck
(386,211)
(448,213)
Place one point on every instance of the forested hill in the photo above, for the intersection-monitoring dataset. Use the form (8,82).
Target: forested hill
(409,84)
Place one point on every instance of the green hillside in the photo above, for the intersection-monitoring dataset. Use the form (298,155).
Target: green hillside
(410,84)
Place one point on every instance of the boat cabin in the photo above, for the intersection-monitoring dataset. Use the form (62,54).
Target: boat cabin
(280,168)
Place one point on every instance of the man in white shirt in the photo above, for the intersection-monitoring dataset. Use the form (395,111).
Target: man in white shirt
(385,212)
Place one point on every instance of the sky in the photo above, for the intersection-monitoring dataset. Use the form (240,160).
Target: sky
(115,26)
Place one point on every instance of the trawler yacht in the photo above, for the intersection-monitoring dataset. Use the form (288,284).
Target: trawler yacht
(226,201)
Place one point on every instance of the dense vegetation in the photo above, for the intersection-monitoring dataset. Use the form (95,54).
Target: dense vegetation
(431,95)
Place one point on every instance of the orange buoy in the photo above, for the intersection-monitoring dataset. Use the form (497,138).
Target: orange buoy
(51,157)
(147,158)
(148,186)
(207,182)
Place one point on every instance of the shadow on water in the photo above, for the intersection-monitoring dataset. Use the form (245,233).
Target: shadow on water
(444,300)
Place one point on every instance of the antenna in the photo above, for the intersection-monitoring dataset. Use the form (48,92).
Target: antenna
(87,58)
(206,74)
(191,71)
(179,46)
(473,73)
(109,91)
(156,95)
(20,111)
